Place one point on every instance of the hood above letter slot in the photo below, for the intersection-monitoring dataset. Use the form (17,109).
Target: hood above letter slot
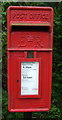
(31,24)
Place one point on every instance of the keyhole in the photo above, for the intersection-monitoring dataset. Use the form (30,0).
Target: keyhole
(17,81)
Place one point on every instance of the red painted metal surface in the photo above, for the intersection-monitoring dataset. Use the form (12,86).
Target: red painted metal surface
(29,29)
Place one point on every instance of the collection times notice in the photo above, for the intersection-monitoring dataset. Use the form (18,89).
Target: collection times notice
(29,78)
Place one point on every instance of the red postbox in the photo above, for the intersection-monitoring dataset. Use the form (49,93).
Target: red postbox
(30,37)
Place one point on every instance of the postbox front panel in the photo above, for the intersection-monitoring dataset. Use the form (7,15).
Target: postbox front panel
(29,58)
